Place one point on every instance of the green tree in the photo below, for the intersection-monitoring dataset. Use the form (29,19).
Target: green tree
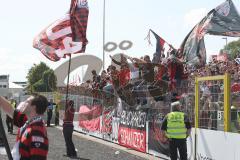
(50,80)
(233,49)
(41,78)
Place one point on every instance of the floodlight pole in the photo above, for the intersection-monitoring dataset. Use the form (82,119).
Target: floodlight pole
(104,6)
(226,41)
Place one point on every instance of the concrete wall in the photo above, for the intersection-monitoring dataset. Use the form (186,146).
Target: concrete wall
(91,61)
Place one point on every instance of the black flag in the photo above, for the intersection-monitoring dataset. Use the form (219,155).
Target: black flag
(159,47)
(224,20)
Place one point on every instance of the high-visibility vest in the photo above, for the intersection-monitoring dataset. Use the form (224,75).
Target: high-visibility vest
(175,125)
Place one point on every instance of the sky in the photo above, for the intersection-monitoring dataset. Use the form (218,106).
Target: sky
(130,20)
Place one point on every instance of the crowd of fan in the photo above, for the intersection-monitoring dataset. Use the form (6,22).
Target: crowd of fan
(212,94)
(170,73)
(139,78)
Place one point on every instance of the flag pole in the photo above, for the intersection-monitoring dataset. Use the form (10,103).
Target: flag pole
(104,6)
(68,75)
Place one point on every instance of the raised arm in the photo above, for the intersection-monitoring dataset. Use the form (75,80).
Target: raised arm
(138,60)
(114,61)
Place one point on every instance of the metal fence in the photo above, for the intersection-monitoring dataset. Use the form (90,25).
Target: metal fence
(207,102)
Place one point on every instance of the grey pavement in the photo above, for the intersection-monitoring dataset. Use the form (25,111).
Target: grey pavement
(88,149)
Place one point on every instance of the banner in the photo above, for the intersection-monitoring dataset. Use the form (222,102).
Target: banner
(107,122)
(132,130)
(89,117)
(157,142)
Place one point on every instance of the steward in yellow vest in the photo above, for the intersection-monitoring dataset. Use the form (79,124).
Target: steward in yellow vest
(177,128)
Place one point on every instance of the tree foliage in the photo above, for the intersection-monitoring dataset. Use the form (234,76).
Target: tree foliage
(41,78)
(233,49)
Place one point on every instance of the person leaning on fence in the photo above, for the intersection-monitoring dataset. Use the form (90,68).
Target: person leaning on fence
(32,140)
(177,128)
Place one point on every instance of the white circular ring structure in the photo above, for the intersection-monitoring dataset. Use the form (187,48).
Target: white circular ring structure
(110,46)
(125,45)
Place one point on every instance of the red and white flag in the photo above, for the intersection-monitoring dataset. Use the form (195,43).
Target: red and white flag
(66,35)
